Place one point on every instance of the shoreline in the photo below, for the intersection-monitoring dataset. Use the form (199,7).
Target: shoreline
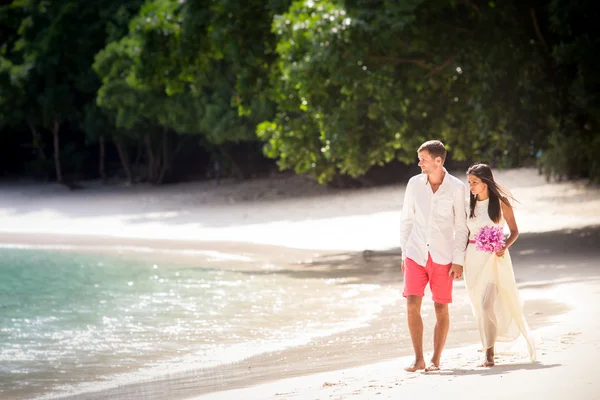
(294,227)
(302,361)
(392,342)
(217,254)
(564,368)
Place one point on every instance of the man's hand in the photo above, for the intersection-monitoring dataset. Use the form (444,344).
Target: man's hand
(456,271)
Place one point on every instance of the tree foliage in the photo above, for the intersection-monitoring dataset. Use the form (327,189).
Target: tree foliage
(330,87)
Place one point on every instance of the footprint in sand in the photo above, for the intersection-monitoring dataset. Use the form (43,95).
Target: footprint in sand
(569,337)
(331,384)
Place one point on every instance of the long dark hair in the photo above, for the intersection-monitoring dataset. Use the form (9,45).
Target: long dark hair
(497,193)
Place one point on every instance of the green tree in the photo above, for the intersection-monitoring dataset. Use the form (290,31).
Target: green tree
(193,68)
(361,83)
(50,61)
(574,131)
(14,96)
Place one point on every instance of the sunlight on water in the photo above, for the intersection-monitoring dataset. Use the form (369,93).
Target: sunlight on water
(70,322)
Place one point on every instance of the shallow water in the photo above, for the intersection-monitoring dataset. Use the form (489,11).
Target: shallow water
(76,322)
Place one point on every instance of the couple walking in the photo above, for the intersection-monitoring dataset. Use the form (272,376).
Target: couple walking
(438,245)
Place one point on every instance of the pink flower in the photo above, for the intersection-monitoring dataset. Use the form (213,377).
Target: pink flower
(490,239)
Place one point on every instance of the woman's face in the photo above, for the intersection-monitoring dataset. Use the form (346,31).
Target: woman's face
(476,185)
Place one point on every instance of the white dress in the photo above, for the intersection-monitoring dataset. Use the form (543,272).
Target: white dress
(492,289)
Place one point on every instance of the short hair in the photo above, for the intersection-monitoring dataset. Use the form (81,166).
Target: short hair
(435,148)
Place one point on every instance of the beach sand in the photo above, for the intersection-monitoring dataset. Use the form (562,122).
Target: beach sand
(567,349)
(290,225)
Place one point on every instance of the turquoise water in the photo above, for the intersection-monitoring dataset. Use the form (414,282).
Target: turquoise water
(75,322)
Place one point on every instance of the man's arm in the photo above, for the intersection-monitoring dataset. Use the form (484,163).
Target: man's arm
(461,231)
(407,218)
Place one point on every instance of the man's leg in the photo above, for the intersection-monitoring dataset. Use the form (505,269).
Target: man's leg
(441,289)
(415,326)
(442,325)
(415,280)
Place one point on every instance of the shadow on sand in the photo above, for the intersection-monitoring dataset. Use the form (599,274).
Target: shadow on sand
(539,259)
(496,370)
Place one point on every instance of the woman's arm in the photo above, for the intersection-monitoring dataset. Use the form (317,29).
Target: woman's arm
(509,217)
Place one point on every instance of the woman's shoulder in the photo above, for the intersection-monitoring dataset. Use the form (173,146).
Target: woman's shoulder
(505,202)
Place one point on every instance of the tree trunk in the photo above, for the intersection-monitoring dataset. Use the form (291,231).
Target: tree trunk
(150,158)
(156,166)
(135,169)
(101,168)
(124,159)
(165,156)
(55,130)
(37,142)
(237,171)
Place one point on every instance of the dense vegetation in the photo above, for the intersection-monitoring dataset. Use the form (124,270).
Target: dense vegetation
(168,88)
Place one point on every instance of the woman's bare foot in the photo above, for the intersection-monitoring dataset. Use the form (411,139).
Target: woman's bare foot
(415,366)
(489,358)
(487,363)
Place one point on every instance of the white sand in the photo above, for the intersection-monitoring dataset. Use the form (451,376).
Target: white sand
(298,214)
(568,352)
(291,212)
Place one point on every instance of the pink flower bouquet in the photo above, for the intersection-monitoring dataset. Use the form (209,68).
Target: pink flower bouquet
(490,239)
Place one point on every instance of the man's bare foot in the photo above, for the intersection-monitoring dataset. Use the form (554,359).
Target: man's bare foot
(432,367)
(415,366)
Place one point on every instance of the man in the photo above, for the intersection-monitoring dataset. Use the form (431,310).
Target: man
(433,238)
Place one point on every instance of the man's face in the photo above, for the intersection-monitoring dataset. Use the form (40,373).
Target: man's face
(427,163)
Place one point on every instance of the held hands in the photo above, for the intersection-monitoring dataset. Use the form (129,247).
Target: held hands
(456,271)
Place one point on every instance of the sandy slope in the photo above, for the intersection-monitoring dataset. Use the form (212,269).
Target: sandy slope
(284,211)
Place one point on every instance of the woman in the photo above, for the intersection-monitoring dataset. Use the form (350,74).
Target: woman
(489,277)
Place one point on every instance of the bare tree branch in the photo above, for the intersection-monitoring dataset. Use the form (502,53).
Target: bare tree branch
(441,67)
(473,5)
(396,60)
(538,32)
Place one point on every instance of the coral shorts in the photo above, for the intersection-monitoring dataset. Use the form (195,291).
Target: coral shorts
(417,276)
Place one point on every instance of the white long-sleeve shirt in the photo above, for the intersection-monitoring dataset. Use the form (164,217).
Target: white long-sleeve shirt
(434,223)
